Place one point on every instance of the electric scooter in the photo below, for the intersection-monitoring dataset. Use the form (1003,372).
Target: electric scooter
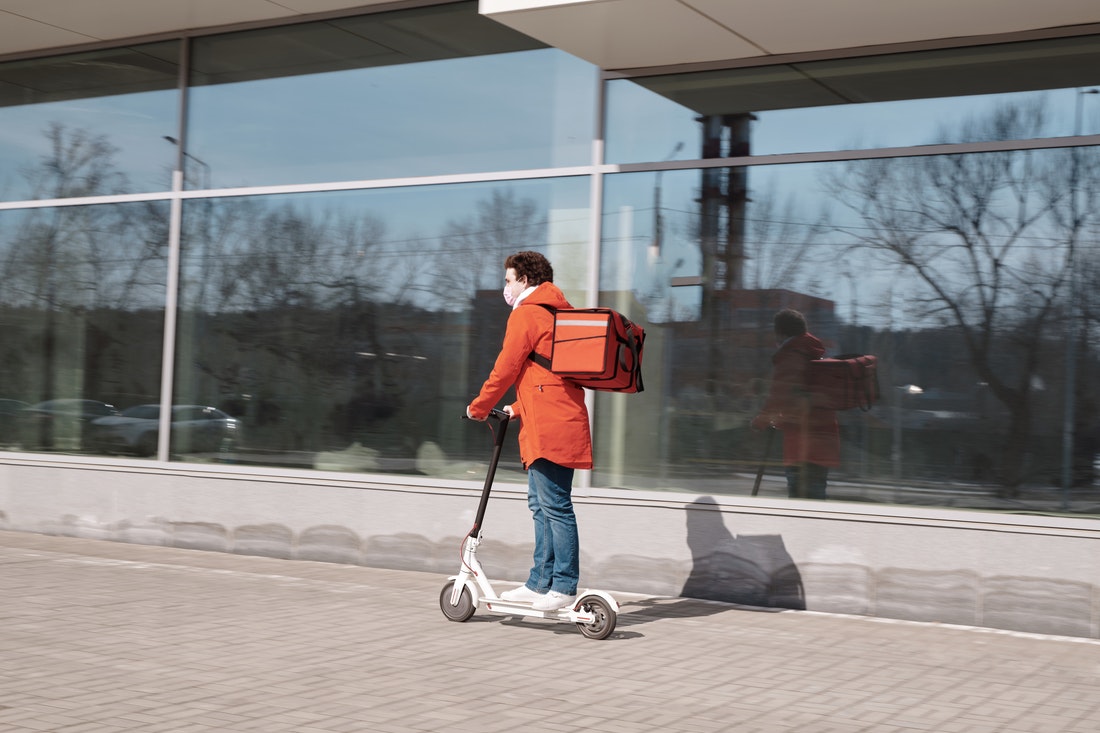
(595,612)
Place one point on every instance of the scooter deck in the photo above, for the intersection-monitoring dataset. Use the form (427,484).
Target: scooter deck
(525,608)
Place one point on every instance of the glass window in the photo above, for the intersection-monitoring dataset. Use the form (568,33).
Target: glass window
(428,91)
(348,331)
(118,104)
(970,277)
(894,100)
(82,292)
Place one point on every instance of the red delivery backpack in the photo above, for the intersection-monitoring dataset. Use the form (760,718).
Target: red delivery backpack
(597,348)
(843,382)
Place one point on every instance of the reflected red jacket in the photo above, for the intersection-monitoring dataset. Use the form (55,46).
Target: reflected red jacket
(810,434)
(553,419)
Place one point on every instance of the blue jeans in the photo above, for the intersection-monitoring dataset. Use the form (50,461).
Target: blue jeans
(557,545)
(806,481)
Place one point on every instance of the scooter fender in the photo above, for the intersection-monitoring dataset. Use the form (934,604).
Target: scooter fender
(475,592)
(602,594)
(577,614)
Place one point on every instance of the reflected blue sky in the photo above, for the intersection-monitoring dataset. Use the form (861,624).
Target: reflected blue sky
(431,246)
(531,109)
(135,124)
(525,109)
(839,127)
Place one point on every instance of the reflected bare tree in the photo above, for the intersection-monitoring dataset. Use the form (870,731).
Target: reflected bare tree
(89,256)
(297,318)
(476,246)
(77,164)
(987,242)
(74,269)
(780,246)
(296,294)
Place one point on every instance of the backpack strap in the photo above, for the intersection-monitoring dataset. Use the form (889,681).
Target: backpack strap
(542,361)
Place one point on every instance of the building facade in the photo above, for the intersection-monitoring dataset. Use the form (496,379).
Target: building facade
(292,231)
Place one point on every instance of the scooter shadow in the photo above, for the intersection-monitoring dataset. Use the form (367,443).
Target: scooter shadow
(633,613)
(648,610)
(554,626)
(557,627)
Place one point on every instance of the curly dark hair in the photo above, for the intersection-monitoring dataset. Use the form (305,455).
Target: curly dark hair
(789,322)
(531,265)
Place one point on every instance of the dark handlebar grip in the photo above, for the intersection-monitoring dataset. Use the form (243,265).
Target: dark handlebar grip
(498,414)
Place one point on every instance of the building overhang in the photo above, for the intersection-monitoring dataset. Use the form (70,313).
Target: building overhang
(613,34)
(630,34)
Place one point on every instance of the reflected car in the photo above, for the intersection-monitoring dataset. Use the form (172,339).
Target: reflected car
(10,412)
(195,429)
(60,424)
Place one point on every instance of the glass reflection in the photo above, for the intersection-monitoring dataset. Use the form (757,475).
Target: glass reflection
(970,277)
(348,331)
(384,96)
(895,100)
(116,102)
(82,293)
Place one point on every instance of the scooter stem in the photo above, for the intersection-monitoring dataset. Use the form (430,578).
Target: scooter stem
(500,428)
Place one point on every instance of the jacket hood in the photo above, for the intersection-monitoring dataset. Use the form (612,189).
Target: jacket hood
(547,294)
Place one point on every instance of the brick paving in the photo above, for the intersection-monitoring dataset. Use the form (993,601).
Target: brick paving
(103,637)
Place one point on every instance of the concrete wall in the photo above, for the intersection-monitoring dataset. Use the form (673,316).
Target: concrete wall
(1026,573)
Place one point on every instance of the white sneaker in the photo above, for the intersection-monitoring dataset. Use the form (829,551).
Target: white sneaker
(552,601)
(522,594)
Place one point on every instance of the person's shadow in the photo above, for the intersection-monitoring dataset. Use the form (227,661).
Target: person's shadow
(751,570)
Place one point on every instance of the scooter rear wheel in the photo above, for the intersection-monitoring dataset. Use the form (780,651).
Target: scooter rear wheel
(604,617)
(461,611)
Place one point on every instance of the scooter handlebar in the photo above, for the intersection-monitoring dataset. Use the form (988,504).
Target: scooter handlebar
(494,414)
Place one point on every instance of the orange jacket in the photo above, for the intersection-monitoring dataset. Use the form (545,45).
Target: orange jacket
(553,419)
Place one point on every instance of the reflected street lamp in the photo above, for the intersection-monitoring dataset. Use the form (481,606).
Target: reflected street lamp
(1079,109)
(895,453)
(205,180)
(658,222)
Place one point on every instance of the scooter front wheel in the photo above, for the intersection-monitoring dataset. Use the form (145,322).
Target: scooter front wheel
(461,611)
(603,617)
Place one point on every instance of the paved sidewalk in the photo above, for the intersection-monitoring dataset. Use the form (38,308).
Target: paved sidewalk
(99,637)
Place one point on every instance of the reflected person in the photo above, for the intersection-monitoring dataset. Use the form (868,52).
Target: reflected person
(811,436)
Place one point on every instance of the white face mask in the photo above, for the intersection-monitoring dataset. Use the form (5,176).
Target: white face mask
(510,293)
